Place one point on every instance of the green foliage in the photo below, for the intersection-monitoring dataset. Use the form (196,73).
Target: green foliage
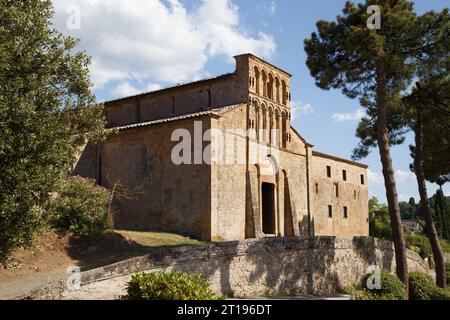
(46,112)
(81,207)
(441,294)
(441,216)
(430,101)
(408,211)
(379,222)
(421,242)
(391,288)
(347,289)
(168,286)
(369,295)
(445,246)
(422,287)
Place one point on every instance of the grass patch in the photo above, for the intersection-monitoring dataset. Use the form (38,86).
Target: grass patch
(157,239)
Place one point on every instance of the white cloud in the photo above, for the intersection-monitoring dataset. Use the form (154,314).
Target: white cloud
(375,177)
(353,117)
(400,176)
(153,87)
(404,176)
(125,89)
(299,109)
(158,40)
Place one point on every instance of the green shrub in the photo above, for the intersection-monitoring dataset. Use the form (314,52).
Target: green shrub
(370,295)
(168,286)
(421,286)
(81,207)
(379,225)
(414,241)
(440,294)
(391,287)
(347,289)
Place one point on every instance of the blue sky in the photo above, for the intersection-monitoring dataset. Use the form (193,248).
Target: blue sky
(141,45)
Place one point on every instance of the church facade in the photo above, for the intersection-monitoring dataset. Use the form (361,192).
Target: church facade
(218,160)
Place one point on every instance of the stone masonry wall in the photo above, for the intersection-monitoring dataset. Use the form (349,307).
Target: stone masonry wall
(251,268)
(350,193)
(160,195)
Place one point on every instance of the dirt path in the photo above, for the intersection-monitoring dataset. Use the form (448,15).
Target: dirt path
(21,287)
(48,259)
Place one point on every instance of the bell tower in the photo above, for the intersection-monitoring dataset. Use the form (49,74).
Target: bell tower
(270,95)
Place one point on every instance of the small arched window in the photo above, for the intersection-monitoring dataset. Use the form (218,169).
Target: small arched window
(257,79)
(264,82)
(270,87)
(277,90)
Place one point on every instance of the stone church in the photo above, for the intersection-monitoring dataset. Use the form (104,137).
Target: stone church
(166,150)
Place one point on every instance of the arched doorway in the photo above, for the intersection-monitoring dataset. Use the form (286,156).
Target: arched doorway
(269,199)
(268,208)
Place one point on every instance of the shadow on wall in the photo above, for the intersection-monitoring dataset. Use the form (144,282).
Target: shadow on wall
(274,267)
(269,267)
(375,252)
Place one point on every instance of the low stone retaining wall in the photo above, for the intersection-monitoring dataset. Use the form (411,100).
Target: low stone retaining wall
(259,267)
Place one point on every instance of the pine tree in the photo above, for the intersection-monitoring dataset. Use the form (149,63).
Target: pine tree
(374,66)
(442,209)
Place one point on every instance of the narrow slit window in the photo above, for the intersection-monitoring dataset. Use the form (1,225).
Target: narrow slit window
(317,188)
(330,212)
(344,175)
(345,213)
(328,171)
(336,189)
(362,179)
(173,104)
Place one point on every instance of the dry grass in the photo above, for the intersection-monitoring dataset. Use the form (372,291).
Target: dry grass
(155,239)
(50,255)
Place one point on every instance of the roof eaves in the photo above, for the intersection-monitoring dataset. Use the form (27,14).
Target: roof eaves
(169,88)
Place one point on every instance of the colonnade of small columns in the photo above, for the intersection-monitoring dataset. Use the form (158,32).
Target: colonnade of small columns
(270,86)
(272,126)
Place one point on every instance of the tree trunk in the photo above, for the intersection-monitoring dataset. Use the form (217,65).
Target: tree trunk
(425,205)
(389,178)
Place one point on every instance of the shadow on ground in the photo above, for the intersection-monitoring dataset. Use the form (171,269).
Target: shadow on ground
(111,247)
